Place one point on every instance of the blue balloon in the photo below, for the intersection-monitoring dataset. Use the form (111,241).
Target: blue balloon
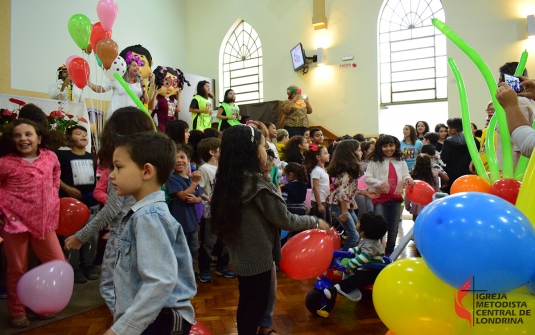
(477,236)
(284,233)
(531,285)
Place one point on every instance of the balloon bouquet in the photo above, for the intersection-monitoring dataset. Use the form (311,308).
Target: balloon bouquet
(477,267)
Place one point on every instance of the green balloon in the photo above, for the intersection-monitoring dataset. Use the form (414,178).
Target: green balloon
(133,96)
(98,60)
(80,30)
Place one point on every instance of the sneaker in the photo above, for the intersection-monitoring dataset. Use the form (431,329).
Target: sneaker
(354,295)
(3,292)
(79,277)
(225,272)
(91,273)
(330,292)
(205,277)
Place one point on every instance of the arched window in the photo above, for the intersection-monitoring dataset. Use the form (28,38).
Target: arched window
(240,57)
(412,53)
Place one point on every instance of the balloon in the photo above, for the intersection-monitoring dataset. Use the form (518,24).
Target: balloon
(531,285)
(522,164)
(308,199)
(97,34)
(420,193)
(99,63)
(410,299)
(69,59)
(335,236)
(107,13)
(390,333)
(526,196)
(132,95)
(284,233)
(467,130)
(118,66)
(506,189)
(199,329)
(490,145)
(492,86)
(521,64)
(467,234)
(88,49)
(470,183)
(47,288)
(79,72)
(307,254)
(80,29)
(73,215)
(107,51)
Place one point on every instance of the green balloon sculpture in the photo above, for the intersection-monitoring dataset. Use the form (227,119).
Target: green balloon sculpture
(133,96)
(80,30)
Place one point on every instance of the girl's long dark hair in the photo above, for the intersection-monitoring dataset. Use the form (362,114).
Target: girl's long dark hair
(377,154)
(413,134)
(11,147)
(345,160)
(311,158)
(291,149)
(239,160)
(426,128)
(200,88)
(422,170)
(176,130)
(298,171)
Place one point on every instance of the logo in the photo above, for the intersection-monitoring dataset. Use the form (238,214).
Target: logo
(460,310)
(348,65)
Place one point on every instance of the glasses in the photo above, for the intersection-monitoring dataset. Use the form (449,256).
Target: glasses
(490,110)
(168,82)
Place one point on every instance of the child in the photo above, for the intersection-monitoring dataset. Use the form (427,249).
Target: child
(316,136)
(184,195)
(372,228)
(431,138)
(209,151)
(125,121)
(410,145)
(178,131)
(282,139)
(153,277)
(78,176)
(306,135)
(315,160)
(386,174)
(247,212)
(423,171)
(345,169)
(294,192)
(29,206)
(295,149)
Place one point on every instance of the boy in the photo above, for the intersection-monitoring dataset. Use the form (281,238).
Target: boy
(372,227)
(78,181)
(208,149)
(185,193)
(153,277)
(316,136)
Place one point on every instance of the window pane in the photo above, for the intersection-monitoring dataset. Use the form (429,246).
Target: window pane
(413,44)
(413,54)
(413,64)
(413,85)
(442,88)
(423,31)
(226,79)
(412,75)
(245,88)
(385,52)
(385,92)
(244,72)
(440,45)
(250,62)
(385,73)
(244,80)
(384,37)
(250,96)
(400,35)
(442,66)
(413,96)
(236,65)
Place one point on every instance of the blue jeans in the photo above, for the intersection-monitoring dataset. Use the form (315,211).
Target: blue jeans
(107,290)
(391,211)
(350,226)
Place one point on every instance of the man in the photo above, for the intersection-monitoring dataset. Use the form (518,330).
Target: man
(64,89)
(455,152)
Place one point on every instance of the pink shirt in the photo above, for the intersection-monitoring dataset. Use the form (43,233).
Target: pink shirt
(392,182)
(29,201)
(100,193)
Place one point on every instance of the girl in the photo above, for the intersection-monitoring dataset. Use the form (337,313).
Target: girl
(306,135)
(422,128)
(125,121)
(250,229)
(442,130)
(294,192)
(295,149)
(367,150)
(423,170)
(345,169)
(410,145)
(364,203)
(29,206)
(386,174)
(228,113)
(315,160)
(178,131)
(201,107)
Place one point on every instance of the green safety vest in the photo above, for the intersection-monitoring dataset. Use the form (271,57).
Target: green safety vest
(203,120)
(228,112)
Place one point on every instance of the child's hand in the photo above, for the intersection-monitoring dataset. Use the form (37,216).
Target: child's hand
(206,198)
(72,242)
(109,332)
(323,225)
(385,187)
(409,181)
(372,195)
(190,198)
(196,176)
(73,192)
(321,208)
(343,217)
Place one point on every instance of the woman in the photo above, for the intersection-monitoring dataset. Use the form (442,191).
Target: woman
(120,97)
(201,107)
(422,128)
(442,130)
(228,113)
(295,112)
(410,145)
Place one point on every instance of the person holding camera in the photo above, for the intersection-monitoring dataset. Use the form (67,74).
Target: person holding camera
(63,89)
(295,111)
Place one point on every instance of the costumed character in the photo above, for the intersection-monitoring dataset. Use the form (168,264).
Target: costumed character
(145,68)
(228,112)
(64,89)
(201,107)
(165,105)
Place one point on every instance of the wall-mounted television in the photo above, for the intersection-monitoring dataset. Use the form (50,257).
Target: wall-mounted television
(298,57)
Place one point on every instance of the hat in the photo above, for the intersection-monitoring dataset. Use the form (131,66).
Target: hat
(292,89)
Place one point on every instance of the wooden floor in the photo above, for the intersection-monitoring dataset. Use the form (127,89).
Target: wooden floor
(215,306)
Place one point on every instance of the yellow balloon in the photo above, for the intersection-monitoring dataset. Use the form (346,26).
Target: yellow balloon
(526,197)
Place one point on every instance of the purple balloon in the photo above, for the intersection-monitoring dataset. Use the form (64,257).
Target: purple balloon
(107,13)
(47,289)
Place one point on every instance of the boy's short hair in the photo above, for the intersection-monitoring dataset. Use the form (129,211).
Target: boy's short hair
(68,134)
(282,133)
(428,149)
(455,123)
(373,225)
(152,148)
(206,145)
(431,137)
(185,149)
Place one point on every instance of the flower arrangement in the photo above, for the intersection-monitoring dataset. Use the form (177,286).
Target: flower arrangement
(61,121)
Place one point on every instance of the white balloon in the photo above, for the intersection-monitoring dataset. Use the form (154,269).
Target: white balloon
(118,66)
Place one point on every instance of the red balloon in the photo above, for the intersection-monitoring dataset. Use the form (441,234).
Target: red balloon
(307,254)
(420,193)
(335,236)
(98,33)
(79,72)
(73,215)
(199,329)
(506,189)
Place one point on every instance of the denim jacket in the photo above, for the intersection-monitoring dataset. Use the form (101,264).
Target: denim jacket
(153,269)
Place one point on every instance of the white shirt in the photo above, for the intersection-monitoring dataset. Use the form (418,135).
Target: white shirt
(56,94)
(207,181)
(120,98)
(320,174)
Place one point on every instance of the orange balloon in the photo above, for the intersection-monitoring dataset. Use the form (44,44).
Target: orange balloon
(88,49)
(390,333)
(470,183)
(73,215)
(107,51)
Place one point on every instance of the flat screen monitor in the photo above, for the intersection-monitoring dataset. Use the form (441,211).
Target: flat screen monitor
(298,57)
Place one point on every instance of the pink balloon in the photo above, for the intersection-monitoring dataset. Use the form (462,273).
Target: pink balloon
(308,199)
(47,289)
(68,61)
(107,13)
(199,329)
